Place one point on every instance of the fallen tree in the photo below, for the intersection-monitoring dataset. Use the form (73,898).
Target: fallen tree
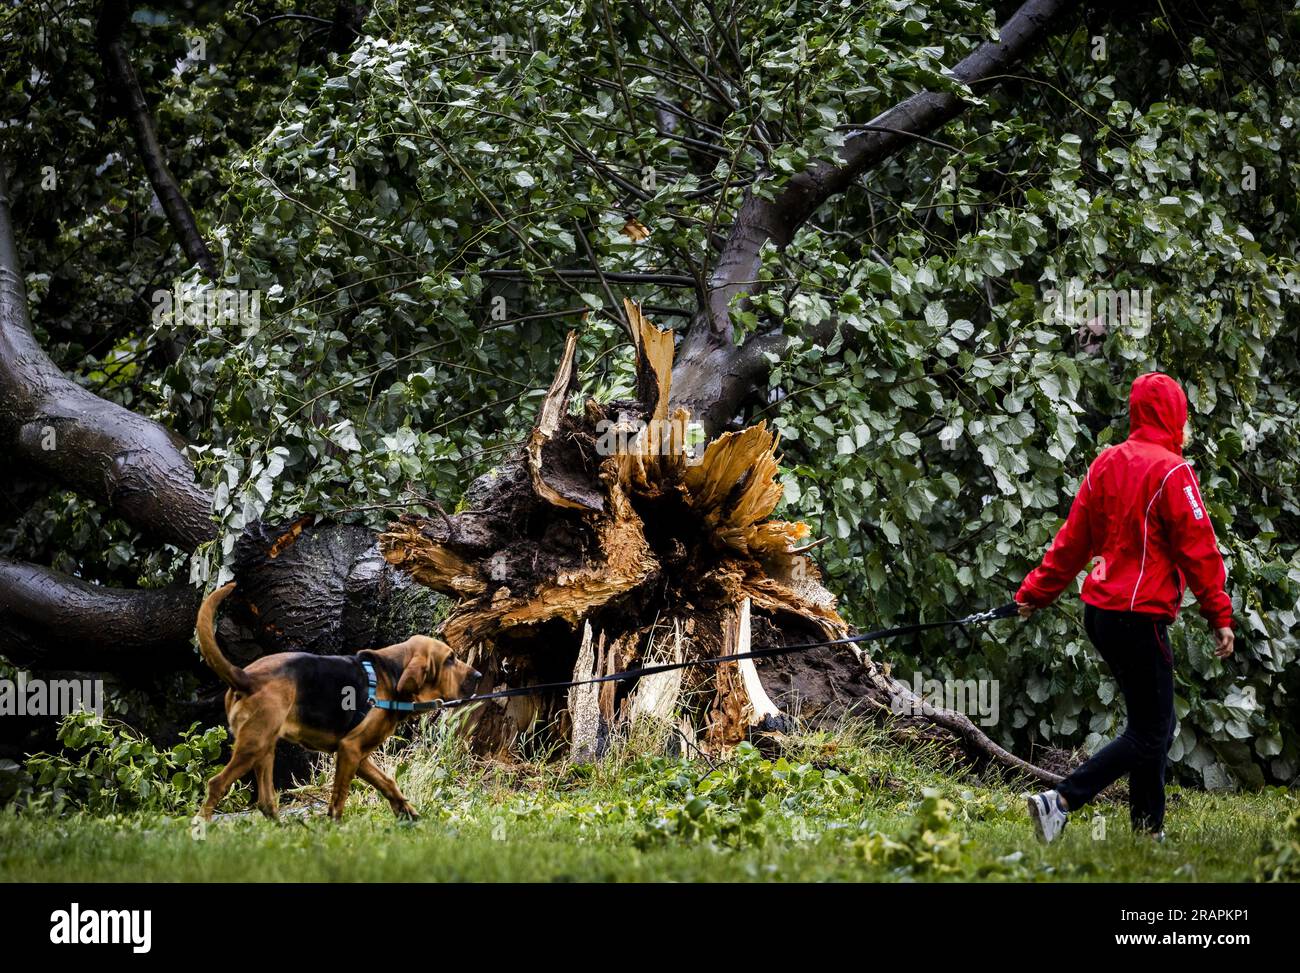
(572,558)
(611,521)
(611,531)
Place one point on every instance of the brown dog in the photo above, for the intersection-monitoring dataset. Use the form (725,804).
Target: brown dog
(320,702)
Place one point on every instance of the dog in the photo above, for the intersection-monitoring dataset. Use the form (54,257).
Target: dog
(321,702)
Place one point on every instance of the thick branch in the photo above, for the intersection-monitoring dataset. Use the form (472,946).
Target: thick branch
(52,620)
(713,374)
(321,588)
(74,437)
(777,219)
(126,91)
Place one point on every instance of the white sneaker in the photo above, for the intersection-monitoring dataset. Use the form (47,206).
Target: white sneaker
(1045,811)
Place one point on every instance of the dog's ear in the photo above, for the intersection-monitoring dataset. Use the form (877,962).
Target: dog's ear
(439,655)
(416,671)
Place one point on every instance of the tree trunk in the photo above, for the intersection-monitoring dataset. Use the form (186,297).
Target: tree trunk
(72,436)
(714,373)
(609,536)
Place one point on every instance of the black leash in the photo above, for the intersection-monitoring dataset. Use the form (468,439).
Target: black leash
(1004,611)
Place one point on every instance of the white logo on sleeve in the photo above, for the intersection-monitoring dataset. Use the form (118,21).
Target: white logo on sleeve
(1197,512)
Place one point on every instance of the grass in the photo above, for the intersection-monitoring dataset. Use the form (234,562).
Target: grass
(846,806)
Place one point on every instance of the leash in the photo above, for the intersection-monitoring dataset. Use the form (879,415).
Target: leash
(1003,611)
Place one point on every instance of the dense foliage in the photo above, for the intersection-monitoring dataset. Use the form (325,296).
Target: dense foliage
(401,213)
(105,767)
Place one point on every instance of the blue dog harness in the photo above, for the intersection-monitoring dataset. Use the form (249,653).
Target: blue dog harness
(396,705)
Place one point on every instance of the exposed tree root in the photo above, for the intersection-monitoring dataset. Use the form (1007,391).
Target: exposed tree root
(972,738)
(609,532)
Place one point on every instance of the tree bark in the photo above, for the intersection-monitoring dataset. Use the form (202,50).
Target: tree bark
(50,620)
(72,436)
(321,588)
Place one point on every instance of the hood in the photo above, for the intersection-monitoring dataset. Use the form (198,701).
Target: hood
(1157,411)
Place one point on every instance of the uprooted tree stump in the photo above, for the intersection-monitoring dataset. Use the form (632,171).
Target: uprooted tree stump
(613,542)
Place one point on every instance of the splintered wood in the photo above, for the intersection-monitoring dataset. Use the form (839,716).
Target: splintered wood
(654,361)
(735,487)
(430,563)
(740,703)
(548,424)
(656,696)
(590,728)
(622,521)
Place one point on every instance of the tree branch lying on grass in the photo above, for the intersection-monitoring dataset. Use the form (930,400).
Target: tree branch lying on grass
(62,622)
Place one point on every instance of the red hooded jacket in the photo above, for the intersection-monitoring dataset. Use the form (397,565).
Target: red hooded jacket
(1139,519)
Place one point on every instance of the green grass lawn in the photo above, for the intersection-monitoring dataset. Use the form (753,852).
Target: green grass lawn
(842,807)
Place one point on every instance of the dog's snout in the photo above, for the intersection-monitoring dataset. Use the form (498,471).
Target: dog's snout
(469,682)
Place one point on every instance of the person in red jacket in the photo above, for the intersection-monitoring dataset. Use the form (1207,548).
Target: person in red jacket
(1140,523)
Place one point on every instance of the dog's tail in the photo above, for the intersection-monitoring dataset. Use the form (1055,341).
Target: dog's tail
(233,676)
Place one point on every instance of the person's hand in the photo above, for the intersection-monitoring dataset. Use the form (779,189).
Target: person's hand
(1024,609)
(1223,642)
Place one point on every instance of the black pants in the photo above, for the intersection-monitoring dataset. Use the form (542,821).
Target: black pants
(1136,648)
